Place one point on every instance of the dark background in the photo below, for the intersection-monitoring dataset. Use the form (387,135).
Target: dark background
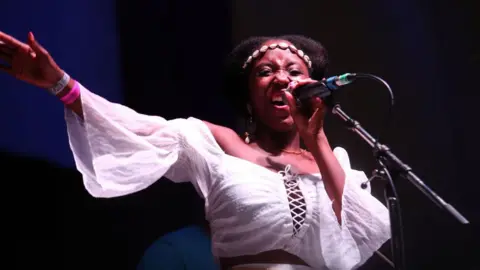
(164,57)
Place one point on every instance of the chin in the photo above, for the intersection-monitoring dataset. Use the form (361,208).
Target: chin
(284,125)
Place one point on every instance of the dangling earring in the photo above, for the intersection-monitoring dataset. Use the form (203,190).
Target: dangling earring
(247,139)
(250,126)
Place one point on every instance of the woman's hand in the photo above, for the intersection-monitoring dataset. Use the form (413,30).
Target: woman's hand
(30,62)
(310,126)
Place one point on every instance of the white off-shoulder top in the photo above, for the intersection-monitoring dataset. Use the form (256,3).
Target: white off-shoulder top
(250,208)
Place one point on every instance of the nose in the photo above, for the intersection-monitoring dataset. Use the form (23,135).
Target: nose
(282,78)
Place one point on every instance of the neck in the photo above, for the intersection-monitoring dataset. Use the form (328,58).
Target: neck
(276,142)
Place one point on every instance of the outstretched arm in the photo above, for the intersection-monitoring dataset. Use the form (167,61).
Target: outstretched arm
(117,150)
(32,63)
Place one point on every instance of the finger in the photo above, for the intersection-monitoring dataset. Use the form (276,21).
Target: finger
(290,101)
(36,47)
(304,81)
(319,105)
(317,102)
(318,115)
(291,86)
(317,118)
(300,120)
(288,98)
(294,85)
(11,41)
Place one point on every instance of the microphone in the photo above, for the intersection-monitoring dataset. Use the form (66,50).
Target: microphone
(322,89)
(335,82)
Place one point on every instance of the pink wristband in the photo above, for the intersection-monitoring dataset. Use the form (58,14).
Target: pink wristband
(71,96)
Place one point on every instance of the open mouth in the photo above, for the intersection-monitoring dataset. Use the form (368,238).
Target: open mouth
(278,102)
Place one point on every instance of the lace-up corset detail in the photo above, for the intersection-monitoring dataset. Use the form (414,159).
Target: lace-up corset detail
(296,201)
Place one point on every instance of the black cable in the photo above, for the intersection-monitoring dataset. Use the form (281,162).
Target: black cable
(392,100)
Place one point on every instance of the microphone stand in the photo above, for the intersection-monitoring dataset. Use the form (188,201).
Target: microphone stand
(390,165)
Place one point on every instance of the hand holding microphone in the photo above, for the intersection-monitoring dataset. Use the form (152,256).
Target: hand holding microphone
(306,99)
(307,113)
(306,91)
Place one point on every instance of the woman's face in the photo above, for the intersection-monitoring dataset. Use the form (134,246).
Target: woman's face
(269,75)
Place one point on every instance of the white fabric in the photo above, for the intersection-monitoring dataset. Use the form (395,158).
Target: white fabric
(119,152)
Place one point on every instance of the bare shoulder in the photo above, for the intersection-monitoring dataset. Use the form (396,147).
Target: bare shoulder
(217,129)
(226,137)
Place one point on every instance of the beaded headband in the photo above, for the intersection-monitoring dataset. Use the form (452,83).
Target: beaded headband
(281,45)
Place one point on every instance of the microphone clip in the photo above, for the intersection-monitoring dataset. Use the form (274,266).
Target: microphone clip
(377,173)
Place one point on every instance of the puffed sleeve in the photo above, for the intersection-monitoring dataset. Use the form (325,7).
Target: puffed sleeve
(119,151)
(365,225)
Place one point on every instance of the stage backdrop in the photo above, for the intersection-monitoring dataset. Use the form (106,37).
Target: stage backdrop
(82,36)
(426,51)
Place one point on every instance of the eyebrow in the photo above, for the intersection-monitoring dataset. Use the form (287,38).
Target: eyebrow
(270,63)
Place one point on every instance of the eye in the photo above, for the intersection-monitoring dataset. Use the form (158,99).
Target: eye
(264,72)
(295,72)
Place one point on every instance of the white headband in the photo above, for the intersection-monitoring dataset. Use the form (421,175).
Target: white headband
(282,46)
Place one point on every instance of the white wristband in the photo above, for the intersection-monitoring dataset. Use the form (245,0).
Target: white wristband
(60,84)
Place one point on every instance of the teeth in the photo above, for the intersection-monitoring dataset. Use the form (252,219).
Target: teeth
(277,98)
